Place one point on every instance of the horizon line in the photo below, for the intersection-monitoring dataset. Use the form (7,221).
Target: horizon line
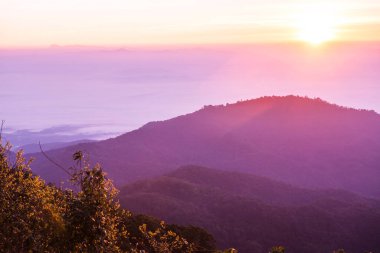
(57,46)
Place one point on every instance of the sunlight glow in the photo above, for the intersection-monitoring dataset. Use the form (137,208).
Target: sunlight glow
(317,23)
(173,22)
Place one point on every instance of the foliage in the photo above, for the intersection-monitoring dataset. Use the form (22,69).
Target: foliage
(31,212)
(277,249)
(252,214)
(39,217)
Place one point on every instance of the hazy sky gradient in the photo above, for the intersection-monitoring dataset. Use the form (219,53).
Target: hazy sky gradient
(26,23)
(155,59)
(116,90)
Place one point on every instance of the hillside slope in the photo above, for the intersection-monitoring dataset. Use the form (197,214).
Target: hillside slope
(302,141)
(254,213)
(35,147)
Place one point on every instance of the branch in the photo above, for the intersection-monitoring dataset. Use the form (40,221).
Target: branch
(1,130)
(53,162)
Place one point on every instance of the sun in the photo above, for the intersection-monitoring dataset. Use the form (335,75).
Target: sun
(316,24)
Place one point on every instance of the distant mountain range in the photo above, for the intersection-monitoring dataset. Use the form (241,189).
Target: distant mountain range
(304,142)
(253,213)
(35,147)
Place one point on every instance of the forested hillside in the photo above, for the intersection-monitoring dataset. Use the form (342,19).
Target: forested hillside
(253,213)
(301,141)
(40,217)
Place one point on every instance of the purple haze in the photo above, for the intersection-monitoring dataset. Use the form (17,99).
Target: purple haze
(116,90)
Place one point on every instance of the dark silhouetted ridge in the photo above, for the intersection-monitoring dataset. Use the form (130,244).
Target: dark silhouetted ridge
(253,213)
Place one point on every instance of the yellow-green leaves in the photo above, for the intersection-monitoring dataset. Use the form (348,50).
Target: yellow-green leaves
(39,217)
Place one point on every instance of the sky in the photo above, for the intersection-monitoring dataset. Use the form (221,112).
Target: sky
(103,92)
(40,23)
(92,69)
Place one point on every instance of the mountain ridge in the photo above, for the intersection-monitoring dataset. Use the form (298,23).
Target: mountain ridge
(247,217)
(301,141)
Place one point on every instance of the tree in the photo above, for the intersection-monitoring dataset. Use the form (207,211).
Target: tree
(277,249)
(93,218)
(339,251)
(39,217)
(30,211)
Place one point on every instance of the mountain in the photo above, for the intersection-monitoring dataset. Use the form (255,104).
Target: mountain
(252,213)
(35,147)
(302,141)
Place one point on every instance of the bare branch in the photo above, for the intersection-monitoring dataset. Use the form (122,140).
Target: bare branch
(52,161)
(1,130)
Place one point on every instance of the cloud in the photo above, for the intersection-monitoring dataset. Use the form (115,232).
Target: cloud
(64,129)
(60,133)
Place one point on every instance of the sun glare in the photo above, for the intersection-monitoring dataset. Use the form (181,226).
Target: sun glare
(317,24)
